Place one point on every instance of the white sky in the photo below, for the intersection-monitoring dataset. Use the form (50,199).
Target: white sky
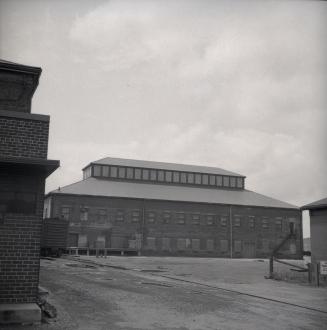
(237,85)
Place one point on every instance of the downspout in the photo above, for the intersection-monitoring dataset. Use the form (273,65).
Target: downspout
(143,225)
(231,231)
(301,235)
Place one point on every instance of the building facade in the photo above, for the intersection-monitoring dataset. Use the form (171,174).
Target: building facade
(172,209)
(23,169)
(318,229)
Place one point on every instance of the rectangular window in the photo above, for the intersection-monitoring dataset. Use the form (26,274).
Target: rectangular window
(161,176)
(278,224)
(195,219)
(151,243)
(237,221)
(102,215)
(291,225)
(165,244)
(169,176)
(105,171)
(183,177)
(82,240)
(145,174)
(195,244)
(210,219)
(137,173)
(113,171)
(96,170)
(219,180)
(205,179)
(181,244)
(239,182)
(265,223)
(121,172)
(181,218)
(224,245)
(210,245)
(151,217)
(223,221)
(190,178)
(65,213)
(130,173)
(166,217)
(136,215)
(120,216)
(251,222)
(84,213)
(226,181)
(100,242)
(197,178)
(212,180)
(153,175)
(233,182)
(176,177)
(237,246)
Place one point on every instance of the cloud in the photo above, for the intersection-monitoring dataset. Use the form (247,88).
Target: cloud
(238,85)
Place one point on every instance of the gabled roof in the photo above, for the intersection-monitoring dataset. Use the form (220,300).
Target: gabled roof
(164,166)
(321,203)
(99,187)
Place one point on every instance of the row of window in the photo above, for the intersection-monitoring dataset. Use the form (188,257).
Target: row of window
(167,217)
(184,244)
(163,176)
(197,244)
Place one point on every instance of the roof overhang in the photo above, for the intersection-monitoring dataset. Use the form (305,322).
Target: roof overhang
(42,166)
(313,207)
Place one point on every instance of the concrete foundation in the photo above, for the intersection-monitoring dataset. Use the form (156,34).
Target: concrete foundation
(19,313)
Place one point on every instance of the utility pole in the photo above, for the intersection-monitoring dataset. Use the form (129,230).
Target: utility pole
(231,231)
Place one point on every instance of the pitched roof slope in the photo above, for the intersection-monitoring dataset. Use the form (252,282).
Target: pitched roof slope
(315,205)
(98,187)
(164,166)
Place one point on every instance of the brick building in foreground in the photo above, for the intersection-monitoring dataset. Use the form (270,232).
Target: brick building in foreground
(23,169)
(172,209)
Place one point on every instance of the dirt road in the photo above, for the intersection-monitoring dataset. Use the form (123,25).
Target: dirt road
(93,298)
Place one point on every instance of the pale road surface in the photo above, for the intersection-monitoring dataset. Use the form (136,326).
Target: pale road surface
(93,297)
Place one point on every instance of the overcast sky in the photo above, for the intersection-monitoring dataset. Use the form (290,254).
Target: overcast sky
(237,85)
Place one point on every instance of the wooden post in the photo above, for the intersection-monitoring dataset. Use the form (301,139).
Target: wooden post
(271,267)
(309,272)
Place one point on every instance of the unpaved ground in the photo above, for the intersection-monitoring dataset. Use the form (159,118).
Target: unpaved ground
(243,275)
(100,297)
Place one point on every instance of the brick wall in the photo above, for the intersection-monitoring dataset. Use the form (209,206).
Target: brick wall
(21,137)
(20,243)
(257,241)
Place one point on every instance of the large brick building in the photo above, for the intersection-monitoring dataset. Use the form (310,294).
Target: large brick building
(172,209)
(23,169)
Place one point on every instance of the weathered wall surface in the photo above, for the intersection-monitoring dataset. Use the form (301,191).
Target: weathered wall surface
(318,228)
(20,241)
(21,137)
